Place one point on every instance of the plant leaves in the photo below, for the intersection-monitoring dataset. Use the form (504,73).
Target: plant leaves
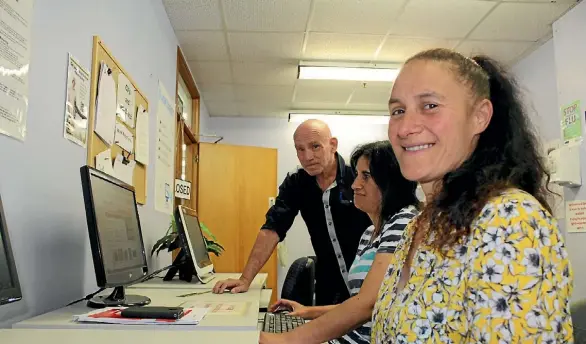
(207,231)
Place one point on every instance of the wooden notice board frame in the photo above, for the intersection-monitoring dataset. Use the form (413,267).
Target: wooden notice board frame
(95,143)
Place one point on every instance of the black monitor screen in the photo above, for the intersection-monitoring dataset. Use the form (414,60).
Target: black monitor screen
(118,228)
(9,285)
(197,243)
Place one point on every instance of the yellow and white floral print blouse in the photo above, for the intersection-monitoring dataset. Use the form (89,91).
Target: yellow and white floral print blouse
(510,283)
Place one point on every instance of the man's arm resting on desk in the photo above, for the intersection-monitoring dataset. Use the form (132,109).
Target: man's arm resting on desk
(265,244)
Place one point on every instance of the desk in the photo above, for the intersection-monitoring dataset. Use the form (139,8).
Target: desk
(142,337)
(62,318)
(259,282)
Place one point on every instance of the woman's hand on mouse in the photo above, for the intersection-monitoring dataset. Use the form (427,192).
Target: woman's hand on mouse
(294,308)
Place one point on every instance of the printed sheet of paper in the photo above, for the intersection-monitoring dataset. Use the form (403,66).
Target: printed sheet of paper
(15,30)
(572,123)
(141,153)
(126,100)
(576,216)
(106,106)
(104,162)
(124,138)
(124,172)
(164,164)
(219,307)
(77,103)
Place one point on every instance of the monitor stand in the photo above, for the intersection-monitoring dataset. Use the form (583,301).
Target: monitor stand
(118,298)
(183,265)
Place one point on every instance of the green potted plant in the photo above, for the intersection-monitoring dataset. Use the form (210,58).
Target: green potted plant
(169,242)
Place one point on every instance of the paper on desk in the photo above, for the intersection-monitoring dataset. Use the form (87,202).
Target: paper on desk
(124,172)
(141,153)
(112,315)
(106,105)
(104,162)
(124,138)
(219,308)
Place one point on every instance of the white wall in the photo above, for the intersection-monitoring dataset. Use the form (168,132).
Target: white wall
(569,40)
(536,75)
(48,228)
(278,133)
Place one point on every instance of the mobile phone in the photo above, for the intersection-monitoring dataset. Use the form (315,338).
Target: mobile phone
(152,312)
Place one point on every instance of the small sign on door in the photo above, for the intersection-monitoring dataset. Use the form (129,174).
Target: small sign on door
(182,189)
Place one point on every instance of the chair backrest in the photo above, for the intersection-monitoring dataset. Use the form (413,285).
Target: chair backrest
(578,311)
(299,283)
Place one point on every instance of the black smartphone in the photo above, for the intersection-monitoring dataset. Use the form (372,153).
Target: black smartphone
(152,312)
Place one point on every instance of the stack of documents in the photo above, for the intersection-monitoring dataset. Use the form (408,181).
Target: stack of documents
(111,315)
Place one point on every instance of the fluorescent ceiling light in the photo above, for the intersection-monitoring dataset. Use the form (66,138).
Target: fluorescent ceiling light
(348,73)
(358,119)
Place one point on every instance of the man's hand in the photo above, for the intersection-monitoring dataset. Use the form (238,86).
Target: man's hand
(235,285)
(294,308)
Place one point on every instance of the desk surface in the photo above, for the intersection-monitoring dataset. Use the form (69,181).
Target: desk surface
(62,318)
(259,282)
(142,337)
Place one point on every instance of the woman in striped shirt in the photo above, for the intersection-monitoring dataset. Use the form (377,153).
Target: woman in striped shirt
(389,199)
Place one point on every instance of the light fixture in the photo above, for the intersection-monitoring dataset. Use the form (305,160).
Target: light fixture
(339,117)
(347,71)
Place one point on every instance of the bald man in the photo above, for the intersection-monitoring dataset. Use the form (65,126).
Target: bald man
(322,192)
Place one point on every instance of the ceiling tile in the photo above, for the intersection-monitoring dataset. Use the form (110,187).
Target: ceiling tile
(504,52)
(264,46)
(266,15)
(223,109)
(211,72)
(217,92)
(264,94)
(318,91)
(545,1)
(257,109)
(348,47)
(341,16)
(504,24)
(440,19)
(374,94)
(203,45)
(260,73)
(398,49)
(194,14)
(318,106)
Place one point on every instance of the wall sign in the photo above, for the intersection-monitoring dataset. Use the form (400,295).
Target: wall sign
(182,189)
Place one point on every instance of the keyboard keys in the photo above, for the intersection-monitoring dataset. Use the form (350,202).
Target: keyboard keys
(279,323)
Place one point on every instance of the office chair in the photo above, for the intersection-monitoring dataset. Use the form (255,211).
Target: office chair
(299,283)
(578,311)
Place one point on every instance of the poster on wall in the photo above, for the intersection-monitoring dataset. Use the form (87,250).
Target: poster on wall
(571,123)
(15,31)
(576,217)
(164,163)
(76,103)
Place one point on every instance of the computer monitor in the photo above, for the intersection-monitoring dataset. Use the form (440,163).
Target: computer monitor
(115,236)
(9,284)
(193,258)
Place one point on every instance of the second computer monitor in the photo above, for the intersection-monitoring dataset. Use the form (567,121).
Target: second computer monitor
(115,236)
(194,243)
(9,285)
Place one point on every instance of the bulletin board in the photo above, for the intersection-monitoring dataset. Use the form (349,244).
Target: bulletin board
(95,143)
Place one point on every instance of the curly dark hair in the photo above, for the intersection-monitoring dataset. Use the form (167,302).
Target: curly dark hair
(506,155)
(397,192)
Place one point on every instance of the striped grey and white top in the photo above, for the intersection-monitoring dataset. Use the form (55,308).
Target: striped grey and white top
(385,242)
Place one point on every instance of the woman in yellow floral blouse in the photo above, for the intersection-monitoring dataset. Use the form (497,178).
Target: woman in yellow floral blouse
(485,261)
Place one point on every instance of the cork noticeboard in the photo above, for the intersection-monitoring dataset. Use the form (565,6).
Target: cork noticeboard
(95,143)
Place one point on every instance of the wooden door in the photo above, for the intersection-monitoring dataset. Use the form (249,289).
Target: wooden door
(234,187)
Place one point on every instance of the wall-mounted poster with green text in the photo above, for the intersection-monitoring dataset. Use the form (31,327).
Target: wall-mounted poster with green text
(571,122)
